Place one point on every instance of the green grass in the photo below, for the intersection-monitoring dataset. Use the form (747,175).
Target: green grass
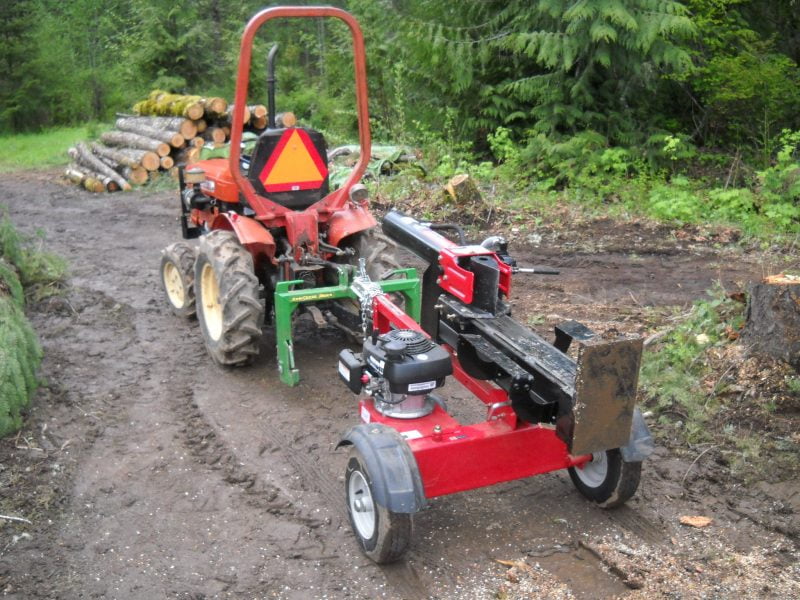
(26,151)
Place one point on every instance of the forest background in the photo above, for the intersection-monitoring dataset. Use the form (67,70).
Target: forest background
(683,111)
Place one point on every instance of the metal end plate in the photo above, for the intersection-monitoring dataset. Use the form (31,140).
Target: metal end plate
(605,394)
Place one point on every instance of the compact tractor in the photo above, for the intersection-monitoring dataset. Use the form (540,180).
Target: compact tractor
(274,238)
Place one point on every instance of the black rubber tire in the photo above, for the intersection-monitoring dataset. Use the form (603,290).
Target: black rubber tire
(238,330)
(392,531)
(179,256)
(379,251)
(617,486)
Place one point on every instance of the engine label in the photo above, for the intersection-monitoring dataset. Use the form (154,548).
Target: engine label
(422,386)
(411,435)
(378,364)
(365,416)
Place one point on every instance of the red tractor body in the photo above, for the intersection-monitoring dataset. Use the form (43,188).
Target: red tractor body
(273,236)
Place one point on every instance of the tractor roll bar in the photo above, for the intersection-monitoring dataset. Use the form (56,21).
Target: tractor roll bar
(336,199)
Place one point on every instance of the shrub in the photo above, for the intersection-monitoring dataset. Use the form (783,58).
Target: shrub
(20,353)
(23,270)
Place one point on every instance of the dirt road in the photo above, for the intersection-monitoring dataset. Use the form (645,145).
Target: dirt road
(147,472)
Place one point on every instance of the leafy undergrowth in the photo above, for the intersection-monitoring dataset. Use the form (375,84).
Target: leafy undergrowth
(707,393)
(521,213)
(702,389)
(527,188)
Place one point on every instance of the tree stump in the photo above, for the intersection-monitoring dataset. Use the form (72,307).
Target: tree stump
(463,191)
(773,319)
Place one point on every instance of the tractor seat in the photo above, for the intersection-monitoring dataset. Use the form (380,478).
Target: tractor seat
(298,175)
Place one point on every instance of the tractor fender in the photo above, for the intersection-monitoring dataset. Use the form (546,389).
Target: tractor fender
(396,482)
(641,444)
(350,220)
(251,234)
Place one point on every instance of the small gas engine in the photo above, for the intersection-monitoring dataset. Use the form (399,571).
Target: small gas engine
(399,369)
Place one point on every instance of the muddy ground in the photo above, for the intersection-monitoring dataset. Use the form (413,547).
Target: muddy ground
(147,472)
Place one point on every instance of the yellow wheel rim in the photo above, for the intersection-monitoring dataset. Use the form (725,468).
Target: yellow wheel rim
(174,285)
(212,310)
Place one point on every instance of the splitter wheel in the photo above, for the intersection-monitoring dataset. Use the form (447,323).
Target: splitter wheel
(383,535)
(607,479)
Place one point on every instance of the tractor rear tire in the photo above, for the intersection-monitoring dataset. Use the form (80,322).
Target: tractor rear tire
(177,278)
(379,252)
(606,479)
(228,306)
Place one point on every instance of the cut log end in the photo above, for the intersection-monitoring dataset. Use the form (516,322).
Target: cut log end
(258,111)
(163,149)
(194,111)
(215,135)
(215,106)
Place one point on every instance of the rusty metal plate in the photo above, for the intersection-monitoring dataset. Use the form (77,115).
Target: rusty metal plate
(605,393)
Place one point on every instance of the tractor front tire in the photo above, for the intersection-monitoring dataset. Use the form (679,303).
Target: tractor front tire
(606,479)
(228,306)
(383,535)
(177,278)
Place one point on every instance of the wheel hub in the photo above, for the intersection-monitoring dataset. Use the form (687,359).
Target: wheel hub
(174,285)
(212,310)
(362,507)
(594,472)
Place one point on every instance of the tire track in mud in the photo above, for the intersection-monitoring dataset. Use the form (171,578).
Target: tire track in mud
(297,440)
(401,577)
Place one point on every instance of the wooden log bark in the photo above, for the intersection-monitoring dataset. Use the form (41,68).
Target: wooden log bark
(115,154)
(145,158)
(127,139)
(168,136)
(772,323)
(186,127)
(106,183)
(136,176)
(82,155)
(197,142)
(164,104)
(258,122)
(201,125)
(79,177)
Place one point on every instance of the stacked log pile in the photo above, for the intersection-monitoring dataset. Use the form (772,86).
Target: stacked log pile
(166,130)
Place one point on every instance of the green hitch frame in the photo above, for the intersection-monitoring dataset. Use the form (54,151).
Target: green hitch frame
(287,300)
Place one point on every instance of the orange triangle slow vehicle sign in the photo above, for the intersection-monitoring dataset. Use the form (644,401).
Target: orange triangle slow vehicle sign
(294,165)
